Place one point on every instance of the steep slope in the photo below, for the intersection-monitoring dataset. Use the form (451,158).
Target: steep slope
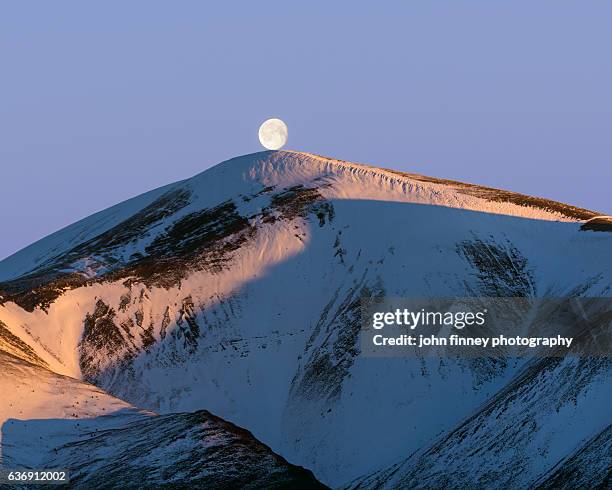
(237,291)
(54,422)
(588,467)
(41,410)
(193,450)
(552,407)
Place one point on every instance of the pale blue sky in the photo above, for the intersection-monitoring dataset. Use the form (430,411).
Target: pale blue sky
(101,101)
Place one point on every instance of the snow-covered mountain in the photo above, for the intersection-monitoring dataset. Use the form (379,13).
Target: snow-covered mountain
(237,291)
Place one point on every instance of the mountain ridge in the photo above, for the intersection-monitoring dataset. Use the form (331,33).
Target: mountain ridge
(554,208)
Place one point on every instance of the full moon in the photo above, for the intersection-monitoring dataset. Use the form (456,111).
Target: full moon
(273,134)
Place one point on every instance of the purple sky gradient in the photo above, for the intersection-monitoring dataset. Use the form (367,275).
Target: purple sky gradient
(101,101)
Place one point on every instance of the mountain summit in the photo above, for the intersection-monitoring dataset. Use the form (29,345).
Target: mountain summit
(259,177)
(238,292)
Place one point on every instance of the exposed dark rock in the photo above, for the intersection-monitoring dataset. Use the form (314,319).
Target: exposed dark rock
(501,269)
(187,326)
(298,202)
(103,340)
(600,223)
(38,291)
(15,346)
(332,347)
